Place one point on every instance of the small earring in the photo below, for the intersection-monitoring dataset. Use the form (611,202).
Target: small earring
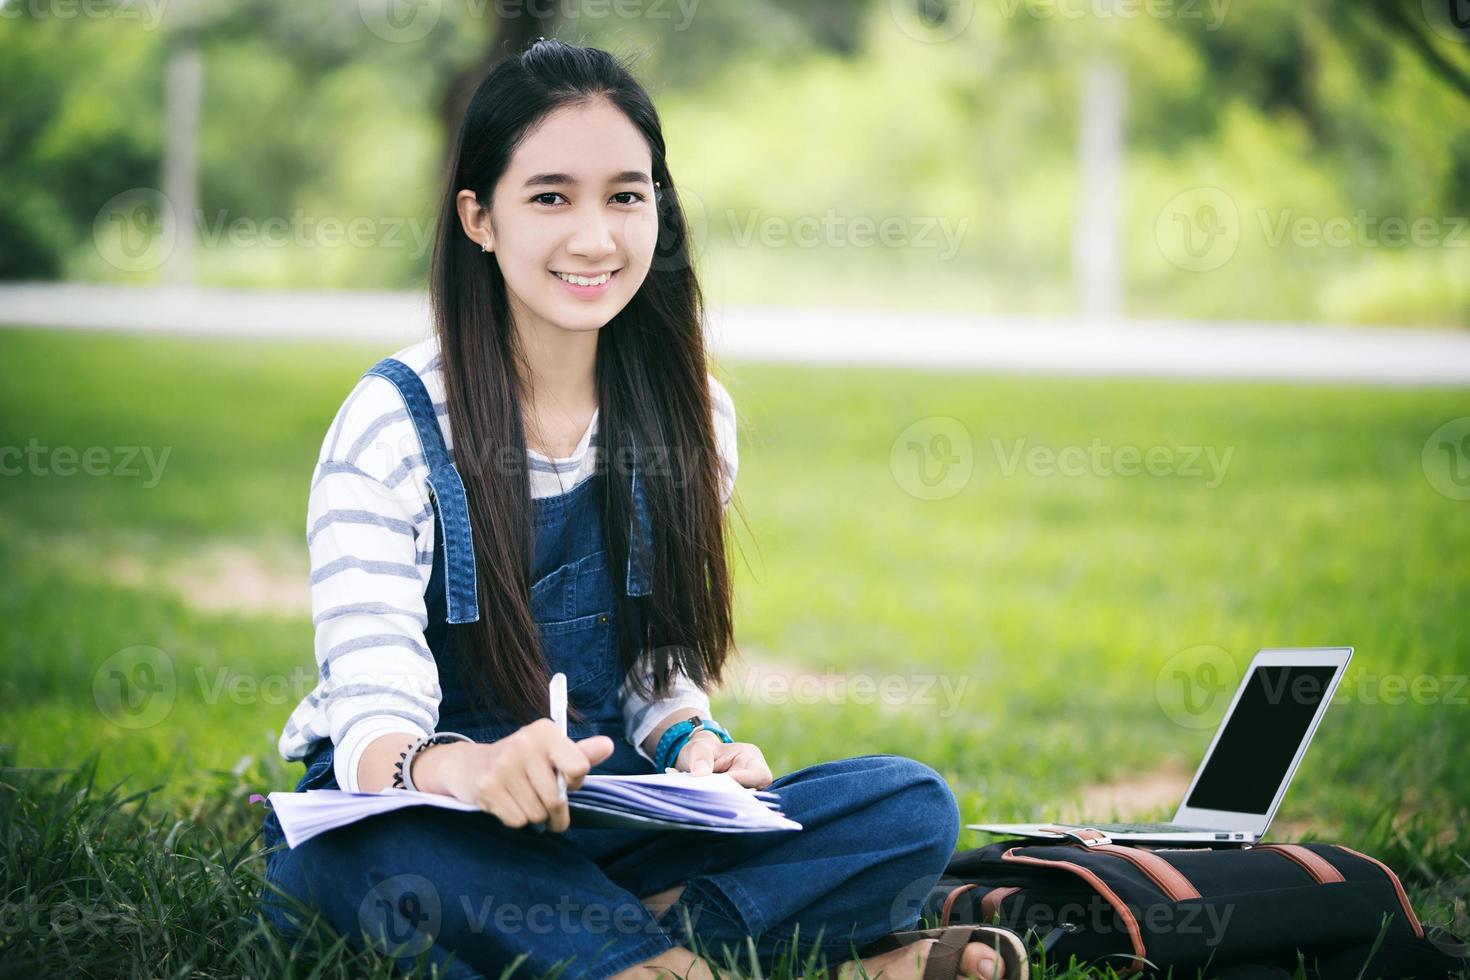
(485,247)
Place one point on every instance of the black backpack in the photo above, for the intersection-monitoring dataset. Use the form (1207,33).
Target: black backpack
(1238,912)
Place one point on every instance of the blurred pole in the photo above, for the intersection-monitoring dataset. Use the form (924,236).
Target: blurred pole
(1096,240)
(184,88)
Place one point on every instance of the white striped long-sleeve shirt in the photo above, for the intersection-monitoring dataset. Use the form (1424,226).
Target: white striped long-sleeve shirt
(370,533)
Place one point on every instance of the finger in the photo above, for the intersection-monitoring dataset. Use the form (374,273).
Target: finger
(749,768)
(572,764)
(503,807)
(543,783)
(752,778)
(725,755)
(525,795)
(542,779)
(699,756)
(596,748)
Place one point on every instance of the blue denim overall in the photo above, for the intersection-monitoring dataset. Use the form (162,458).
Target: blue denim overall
(465,892)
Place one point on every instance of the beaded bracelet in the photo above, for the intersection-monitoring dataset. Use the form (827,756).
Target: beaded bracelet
(674,739)
(403,768)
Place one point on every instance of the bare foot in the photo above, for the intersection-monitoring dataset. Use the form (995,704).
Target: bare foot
(978,961)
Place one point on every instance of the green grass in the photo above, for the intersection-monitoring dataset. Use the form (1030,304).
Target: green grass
(1032,625)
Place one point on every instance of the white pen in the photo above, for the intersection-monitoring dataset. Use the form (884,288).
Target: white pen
(559,715)
(558,690)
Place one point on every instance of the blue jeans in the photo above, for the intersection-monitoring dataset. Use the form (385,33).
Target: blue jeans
(878,832)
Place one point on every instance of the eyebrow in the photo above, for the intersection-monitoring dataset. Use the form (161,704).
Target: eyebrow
(626,177)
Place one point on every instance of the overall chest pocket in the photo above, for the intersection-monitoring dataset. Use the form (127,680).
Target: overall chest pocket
(573,607)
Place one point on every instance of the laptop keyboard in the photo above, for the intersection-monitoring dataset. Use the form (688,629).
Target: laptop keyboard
(1150,828)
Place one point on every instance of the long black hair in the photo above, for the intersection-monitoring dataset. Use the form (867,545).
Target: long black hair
(653,399)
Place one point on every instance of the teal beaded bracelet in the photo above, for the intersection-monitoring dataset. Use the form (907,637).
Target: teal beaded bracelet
(672,742)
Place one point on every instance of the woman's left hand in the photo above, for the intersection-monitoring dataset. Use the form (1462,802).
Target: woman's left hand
(705,753)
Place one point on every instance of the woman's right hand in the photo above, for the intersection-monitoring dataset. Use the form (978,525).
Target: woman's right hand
(514,778)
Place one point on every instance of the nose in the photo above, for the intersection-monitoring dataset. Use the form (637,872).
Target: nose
(592,238)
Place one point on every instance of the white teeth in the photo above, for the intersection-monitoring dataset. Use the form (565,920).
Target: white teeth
(584,281)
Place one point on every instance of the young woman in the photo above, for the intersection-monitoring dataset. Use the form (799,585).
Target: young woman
(540,487)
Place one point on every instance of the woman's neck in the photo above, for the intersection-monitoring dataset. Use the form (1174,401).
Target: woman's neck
(561,384)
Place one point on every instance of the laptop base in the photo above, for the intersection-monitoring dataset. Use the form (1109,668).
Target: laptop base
(1124,833)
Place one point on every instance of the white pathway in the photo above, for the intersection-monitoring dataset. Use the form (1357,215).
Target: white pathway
(1273,351)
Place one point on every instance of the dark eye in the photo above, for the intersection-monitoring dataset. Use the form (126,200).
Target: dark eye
(637,197)
(538,197)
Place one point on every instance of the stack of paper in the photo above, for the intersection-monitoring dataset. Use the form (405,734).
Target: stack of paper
(672,800)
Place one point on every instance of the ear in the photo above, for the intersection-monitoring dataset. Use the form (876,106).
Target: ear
(475,220)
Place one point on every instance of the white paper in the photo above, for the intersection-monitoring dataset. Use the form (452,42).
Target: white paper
(669,800)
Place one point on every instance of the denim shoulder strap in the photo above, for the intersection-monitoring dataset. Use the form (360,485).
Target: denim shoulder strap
(640,538)
(446,490)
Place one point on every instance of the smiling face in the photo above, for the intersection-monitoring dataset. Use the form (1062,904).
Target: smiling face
(572,221)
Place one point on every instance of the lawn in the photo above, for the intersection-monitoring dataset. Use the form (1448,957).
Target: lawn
(1034,585)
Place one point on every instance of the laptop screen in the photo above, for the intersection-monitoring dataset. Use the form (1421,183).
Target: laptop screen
(1261,738)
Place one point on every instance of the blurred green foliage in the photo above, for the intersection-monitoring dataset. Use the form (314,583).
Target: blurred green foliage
(779,116)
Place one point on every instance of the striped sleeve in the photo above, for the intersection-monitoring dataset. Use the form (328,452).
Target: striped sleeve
(641,716)
(723,412)
(370,536)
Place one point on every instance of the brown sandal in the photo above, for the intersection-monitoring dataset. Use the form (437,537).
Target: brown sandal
(944,962)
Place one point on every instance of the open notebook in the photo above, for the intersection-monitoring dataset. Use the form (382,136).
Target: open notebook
(671,800)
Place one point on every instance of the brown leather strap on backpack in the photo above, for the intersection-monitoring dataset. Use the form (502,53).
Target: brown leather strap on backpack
(949,900)
(990,904)
(1169,879)
(1321,870)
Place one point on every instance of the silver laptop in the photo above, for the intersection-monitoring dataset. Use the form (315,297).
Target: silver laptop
(1249,764)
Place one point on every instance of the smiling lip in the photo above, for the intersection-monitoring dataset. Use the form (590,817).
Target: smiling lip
(589,292)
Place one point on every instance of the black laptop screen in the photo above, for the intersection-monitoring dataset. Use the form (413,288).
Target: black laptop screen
(1257,746)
